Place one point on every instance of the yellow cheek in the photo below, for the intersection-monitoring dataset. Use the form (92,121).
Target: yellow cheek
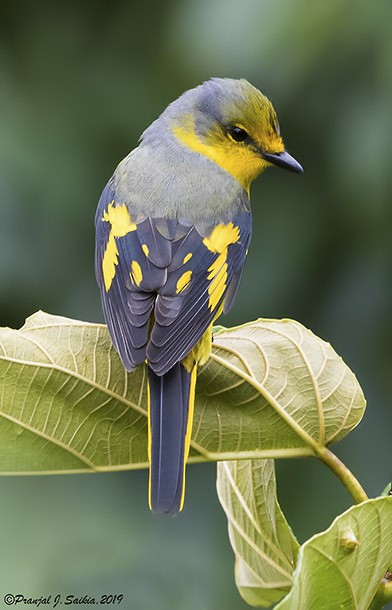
(239,161)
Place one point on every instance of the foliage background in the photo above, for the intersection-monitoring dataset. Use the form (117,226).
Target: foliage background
(78,84)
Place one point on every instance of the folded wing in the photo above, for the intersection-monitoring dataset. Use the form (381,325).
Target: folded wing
(164,281)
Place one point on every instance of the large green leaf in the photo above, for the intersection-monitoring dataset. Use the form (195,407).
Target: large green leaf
(343,566)
(270,389)
(264,546)
(274,389)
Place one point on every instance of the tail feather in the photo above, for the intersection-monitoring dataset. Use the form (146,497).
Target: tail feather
(171,399)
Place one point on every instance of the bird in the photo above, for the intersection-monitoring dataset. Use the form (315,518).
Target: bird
(173,228)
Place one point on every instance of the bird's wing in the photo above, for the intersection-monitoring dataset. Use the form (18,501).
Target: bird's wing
(204,272)
(119,259)
(163,282)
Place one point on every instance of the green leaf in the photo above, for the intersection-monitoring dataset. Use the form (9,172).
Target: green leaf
(273,389)
(66,401)
(344,566)
(270,389)
(264,545)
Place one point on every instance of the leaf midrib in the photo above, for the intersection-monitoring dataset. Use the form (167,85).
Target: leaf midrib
(296,345)
(270,400)
(268,540)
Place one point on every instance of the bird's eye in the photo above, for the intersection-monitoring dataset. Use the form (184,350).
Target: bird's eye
(238,134)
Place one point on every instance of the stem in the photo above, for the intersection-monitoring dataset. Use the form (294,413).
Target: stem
(345,475)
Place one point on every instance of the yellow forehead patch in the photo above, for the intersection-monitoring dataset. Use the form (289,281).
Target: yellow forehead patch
(221,237)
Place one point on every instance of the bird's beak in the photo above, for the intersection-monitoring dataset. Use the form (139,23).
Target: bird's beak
(283,159)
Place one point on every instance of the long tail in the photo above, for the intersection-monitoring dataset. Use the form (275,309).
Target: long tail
(170,411)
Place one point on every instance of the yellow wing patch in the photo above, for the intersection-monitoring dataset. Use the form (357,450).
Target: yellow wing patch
(136,273)
(221,237)
(187,258)
(218,242)
(183,281)
(121,224)
(109,262)
(119,218)
(217,276)
(145,249)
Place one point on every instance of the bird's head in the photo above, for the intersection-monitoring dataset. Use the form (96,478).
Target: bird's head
(232,123)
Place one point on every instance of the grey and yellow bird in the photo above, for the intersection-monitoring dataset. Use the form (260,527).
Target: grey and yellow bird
(173,227)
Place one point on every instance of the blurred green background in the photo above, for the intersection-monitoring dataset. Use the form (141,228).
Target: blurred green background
(78,84)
